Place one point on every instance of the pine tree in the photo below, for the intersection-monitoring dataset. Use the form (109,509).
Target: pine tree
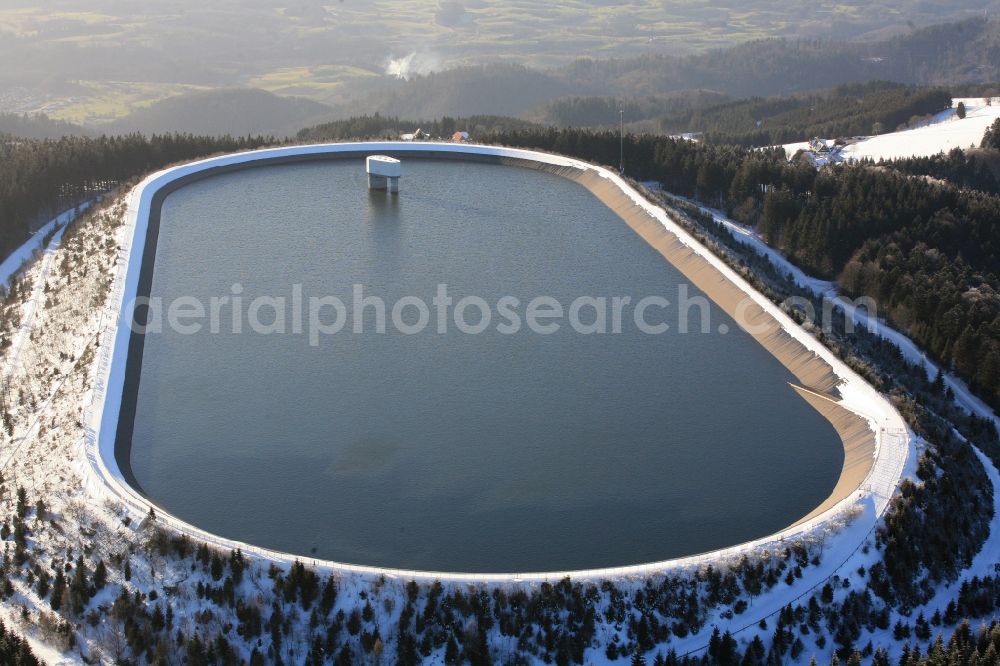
(938,385)
(22,503)
(237,564)
(713,643)
(964,353)
(58,589)
(42,586)
(78,589)
(216,567)
(158,621)
(100,575)
(991,140)
(406,650)
(451,653)
(354,623)
(329,596)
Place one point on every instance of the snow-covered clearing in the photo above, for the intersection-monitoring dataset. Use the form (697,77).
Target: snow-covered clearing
(44,400)
(940,134)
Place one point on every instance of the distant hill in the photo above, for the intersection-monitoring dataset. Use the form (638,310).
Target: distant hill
(588,92)
(597,111)
(966,52)
(950,54)
(295,44)
(37,127)
(235,111)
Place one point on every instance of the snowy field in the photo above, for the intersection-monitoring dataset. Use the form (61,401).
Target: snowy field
(940,134)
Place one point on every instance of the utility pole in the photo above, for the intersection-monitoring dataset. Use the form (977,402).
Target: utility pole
(621,140)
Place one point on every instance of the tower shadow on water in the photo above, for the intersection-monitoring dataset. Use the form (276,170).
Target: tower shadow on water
(385,224)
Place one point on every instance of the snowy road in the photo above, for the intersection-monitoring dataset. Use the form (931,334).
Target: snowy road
(14,263)
(31,307)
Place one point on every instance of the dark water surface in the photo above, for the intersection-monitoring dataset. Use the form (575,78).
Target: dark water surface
(486,452)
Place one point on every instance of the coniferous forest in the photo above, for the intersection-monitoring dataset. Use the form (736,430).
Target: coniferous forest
(971,169)
(14,650)
(39,178)
(377,126)
(991,139)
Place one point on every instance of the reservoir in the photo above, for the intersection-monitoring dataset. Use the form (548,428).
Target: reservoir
(489,451)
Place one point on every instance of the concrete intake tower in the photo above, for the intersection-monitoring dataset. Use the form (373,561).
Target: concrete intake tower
(383,173)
